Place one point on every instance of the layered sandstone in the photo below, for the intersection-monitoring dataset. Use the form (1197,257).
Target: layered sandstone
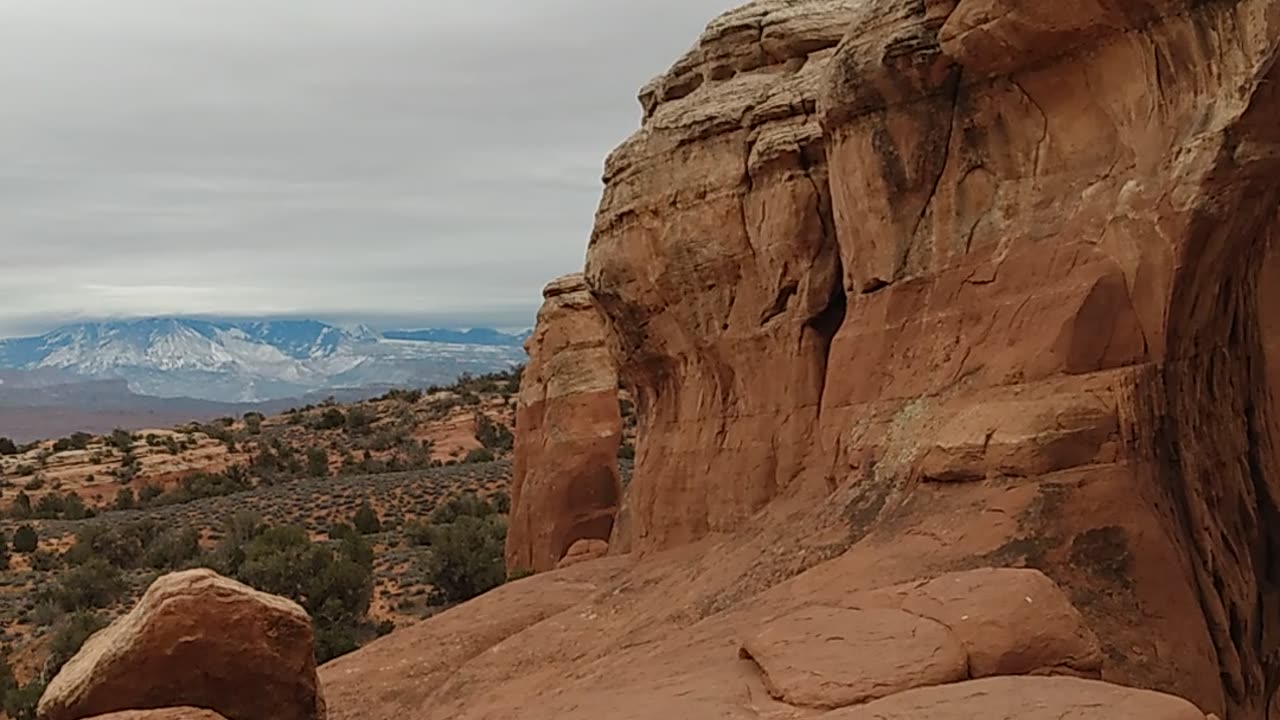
(953,328)
(566,487)
(195,639)
(1021,247)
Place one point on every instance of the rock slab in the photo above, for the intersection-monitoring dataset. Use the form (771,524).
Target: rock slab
(826,658)
(195,639)
(1025,698)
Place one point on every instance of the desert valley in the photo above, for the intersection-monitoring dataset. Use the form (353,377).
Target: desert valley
(924,365)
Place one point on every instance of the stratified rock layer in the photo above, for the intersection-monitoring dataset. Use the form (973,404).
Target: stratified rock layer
(195,639)
(568,429)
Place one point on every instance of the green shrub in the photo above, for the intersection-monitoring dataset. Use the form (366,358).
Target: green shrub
(493,436)
(331,419)
(501,502)
(8,446)
(20,703)
(8,682)
(467,557)
(359,420)
(70,635)
(119,545)
(174,549)
(25,539)
(317,463)
(43,561)
(21,508)
(417,533)
(466,505)
(75,441)
(334,587)
(92,584)
(125,500)
(69,506)
(148,493)
(366,520)
(479,455)
(122,440)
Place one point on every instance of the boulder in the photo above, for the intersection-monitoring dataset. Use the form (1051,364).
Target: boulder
(195,638)
(567,484)
(1010,621)
(1025,698)
(584,551)
(832,657)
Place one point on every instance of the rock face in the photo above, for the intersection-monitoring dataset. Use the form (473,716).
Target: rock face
(860,246)
(567,486)
(195,638)
(953,328)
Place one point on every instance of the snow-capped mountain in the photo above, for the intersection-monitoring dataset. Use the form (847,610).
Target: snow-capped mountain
(252,361)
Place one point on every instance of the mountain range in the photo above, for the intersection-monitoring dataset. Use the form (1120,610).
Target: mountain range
(247,361)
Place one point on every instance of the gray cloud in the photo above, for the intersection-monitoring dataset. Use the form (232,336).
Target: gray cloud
(382,158)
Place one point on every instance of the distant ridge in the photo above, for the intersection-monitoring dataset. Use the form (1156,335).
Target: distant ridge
(474,336)
(252,361)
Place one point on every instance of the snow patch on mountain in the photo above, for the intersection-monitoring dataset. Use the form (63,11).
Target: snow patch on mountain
(253,361)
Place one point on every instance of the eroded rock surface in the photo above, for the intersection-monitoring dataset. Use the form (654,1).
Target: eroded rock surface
(195,638)
(833,657)
(1025,698)
(1018,247)
(567,486)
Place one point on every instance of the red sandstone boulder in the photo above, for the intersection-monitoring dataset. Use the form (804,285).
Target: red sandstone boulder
(584,551)
(195,638)
(1011,622)
(832,657)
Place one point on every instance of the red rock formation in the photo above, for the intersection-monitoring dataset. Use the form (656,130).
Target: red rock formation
(910,294)
(195,638)
(568,429)
(1007,243)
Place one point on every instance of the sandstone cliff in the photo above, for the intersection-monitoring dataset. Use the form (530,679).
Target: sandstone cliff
(908,292)
(567,485)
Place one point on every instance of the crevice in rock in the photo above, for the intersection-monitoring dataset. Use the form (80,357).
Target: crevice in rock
(1213,449)
(780,302)
(910,241)
(827,323)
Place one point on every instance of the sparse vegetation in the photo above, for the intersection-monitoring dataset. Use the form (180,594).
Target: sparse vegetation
(121,440)
(366,520)
(75,441)
(25,539)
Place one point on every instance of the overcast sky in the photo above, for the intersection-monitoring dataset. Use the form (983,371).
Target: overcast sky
(413,161)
